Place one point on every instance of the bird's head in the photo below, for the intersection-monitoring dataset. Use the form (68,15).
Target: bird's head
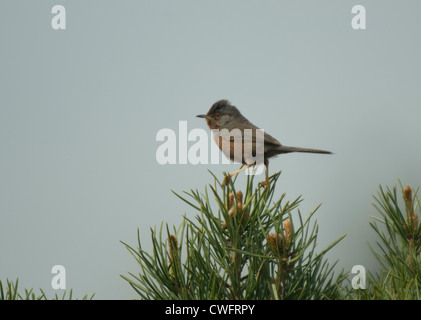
(221,114)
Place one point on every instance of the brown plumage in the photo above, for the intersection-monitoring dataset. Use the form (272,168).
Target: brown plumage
(223,115)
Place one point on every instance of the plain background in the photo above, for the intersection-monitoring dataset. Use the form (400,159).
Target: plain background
(80,109)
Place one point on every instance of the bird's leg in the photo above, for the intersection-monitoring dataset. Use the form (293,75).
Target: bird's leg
(266,182)
(238,171)
(227,178)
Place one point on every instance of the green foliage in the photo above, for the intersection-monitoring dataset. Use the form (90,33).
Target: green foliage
(9,291)
(246,245)
(239,246)
(399,247)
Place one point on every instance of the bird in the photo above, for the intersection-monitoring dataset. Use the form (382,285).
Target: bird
(223,115)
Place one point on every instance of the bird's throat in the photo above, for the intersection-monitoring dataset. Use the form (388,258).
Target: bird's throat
(212,124)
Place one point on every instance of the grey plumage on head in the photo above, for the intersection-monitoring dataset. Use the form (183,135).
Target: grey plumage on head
(223,106)
(222,103)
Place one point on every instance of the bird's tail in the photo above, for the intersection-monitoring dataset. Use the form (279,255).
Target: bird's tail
(286,149)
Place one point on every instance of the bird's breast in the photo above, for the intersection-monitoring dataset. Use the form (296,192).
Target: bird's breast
(239,150)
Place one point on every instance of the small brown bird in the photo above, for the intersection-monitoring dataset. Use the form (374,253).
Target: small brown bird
(223,115)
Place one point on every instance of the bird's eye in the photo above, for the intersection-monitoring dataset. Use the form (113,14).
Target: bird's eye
(217,115)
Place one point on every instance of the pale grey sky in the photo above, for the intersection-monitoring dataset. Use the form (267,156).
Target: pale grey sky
(80,109)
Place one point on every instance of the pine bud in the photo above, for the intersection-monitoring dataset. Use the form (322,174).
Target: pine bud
(172,244)
(239,196)
(411,224)
(230,200)
(288,232)
(408,200)
(275,242)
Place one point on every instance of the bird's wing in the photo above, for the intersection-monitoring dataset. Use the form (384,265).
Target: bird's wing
(251,134)
(229,135)
(269,140)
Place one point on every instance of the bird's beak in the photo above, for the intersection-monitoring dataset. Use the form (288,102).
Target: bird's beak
(202,116)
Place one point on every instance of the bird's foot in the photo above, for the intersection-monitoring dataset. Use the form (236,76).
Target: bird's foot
(265,183)
(226,180)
